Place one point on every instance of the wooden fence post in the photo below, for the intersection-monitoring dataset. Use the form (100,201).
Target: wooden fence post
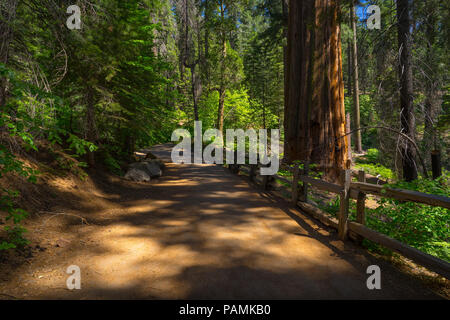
(361,204)
(344,203)
(295,184)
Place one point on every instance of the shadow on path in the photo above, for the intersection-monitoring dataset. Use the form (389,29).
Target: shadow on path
(202,232)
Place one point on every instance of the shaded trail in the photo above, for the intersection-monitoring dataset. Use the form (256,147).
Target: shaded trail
(202,232)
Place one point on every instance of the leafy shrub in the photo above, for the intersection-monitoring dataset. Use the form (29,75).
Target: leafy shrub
(112,164)
(421,226)
(376,169)
(9,163)
(373,155)
(14,233)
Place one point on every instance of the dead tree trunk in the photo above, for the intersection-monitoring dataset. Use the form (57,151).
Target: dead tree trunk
(408,153)
(315,115)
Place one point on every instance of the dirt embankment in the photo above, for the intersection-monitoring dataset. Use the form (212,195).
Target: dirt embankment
(63,202)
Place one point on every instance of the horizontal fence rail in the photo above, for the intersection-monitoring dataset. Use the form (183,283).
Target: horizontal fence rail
(403,195)
(347,190)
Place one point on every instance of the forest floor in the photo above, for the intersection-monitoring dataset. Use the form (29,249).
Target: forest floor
(197,232)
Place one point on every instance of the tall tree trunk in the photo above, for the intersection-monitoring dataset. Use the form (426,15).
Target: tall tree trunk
(7,15)
(188,56)
(408,152)
(194,86)
(315,119)
(432,94)
(356,115)
(349,68)
(285,11)
(264,102)
(222,89)
(220,111)
(206,54)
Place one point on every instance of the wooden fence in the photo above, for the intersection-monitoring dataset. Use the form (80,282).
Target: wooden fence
(346,189)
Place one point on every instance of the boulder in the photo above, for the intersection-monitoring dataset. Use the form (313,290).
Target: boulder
(136,174)
(154,168)
(158,162)
(138,165)
(150,167)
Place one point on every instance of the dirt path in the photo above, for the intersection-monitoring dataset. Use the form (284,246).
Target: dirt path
(201,232)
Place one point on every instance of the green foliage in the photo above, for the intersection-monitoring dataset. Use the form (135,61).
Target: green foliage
(22,127)
(368,117)
(80,146)
(15,238)
(443,124)
(373,155)
(377,169)
(8,163)
(370,164)
(112,164)
(332,207)
(421,226)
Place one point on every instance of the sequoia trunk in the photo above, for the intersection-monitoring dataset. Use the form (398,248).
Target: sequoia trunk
(315,113)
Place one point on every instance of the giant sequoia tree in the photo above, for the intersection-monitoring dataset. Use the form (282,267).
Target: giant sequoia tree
(315,115)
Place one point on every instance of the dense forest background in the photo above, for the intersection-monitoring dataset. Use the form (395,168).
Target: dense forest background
(138,69)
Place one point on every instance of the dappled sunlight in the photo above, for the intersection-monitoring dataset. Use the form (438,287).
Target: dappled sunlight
(183,236)
(182,182)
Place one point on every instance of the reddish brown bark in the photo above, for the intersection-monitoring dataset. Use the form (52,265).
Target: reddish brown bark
(315,113)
